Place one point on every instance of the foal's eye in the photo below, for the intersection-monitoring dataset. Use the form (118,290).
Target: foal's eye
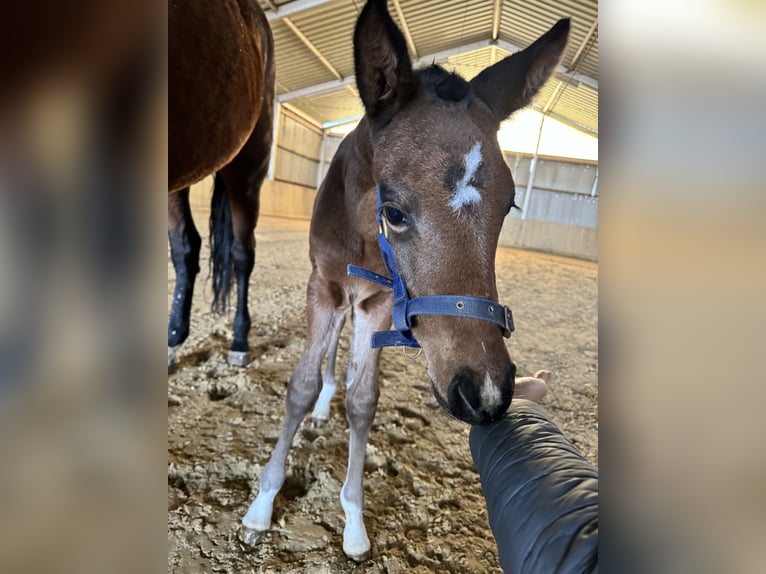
(394,215)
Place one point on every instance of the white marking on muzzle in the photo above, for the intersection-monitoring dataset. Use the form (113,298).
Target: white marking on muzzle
(465,194)
(490,393)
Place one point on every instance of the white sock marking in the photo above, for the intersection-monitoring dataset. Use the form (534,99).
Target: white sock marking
(322,406)
(258,516)
(465,193)
(355,540)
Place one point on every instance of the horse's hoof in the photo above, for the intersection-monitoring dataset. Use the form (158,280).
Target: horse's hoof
(250,536)
(239,358)
(172,365)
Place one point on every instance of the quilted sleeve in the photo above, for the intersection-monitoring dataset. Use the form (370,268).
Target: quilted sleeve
(541,494)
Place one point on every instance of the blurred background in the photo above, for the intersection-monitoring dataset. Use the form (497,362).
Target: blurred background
(83,125)
(83,122)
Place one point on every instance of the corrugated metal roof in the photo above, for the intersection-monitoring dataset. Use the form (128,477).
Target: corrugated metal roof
(463,27)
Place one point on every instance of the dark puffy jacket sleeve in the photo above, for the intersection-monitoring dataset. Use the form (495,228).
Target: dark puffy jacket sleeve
(542,495)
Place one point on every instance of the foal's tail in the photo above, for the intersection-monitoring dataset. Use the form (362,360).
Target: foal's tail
(221,240)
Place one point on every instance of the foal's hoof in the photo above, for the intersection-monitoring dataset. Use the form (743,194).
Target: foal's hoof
(359,558)
(318,422)
(250,536)
(239,358)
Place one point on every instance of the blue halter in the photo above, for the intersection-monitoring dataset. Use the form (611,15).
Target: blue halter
(405,308)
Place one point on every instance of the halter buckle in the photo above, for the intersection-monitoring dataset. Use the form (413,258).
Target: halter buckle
(508,328)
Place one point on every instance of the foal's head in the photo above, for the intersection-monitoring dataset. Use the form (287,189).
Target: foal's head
(446,190)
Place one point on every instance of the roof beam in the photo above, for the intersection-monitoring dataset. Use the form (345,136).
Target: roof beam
(445,54)
(349,80)
(271,4)
(405,29)
(341,122)
(314,50)
(497,9)
(579,53)
(427,60)
(293,8)
(561,85)
(316,89)
(299,112)
(556,91)
(568,121)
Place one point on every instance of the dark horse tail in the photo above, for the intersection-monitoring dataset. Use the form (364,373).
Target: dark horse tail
(221,240)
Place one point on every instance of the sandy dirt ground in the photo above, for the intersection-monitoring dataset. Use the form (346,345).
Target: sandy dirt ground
(424,508)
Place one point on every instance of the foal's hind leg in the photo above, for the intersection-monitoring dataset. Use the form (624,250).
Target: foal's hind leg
(373,314)
(185,246)
(321,413)
(325,310)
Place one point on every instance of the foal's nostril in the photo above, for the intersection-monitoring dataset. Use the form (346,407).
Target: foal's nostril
(463,397)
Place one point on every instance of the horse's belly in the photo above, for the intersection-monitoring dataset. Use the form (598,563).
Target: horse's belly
(215,71)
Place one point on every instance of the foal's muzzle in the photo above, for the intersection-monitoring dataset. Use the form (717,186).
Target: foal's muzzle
(477,399)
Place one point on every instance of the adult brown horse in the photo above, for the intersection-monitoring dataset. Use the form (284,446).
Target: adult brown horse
(425,158)
(221,102)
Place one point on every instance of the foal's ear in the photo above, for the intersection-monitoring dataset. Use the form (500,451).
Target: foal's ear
(512,83)
(384,73)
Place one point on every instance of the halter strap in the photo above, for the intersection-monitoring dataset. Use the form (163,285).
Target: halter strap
(405,308)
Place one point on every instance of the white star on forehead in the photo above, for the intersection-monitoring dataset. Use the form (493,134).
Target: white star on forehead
(465,194)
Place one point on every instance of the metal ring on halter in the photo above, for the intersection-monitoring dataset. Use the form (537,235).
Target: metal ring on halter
(415,356)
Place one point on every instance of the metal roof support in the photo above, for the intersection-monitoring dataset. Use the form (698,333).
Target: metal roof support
(556,91)
(444,54)
(497,9)
(314,50)
(573,66)
(568,121)
(320,167)
(427,60)
(532,172)
(335,123)
(274,141)
(317,89)
(528,192)
(343,82)
(594,189)
(405,29)
(585,42)
(293,8)
(301,114)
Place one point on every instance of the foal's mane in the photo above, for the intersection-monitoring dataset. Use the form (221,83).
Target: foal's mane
(436,81)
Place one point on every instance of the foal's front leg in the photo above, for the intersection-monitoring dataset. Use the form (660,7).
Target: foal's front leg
(325,313)
(361,402)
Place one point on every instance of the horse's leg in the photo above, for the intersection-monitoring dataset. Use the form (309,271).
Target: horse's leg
(185,245)
(321,412)
(243,178)
(243,192)
(373,314)
(325,310)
